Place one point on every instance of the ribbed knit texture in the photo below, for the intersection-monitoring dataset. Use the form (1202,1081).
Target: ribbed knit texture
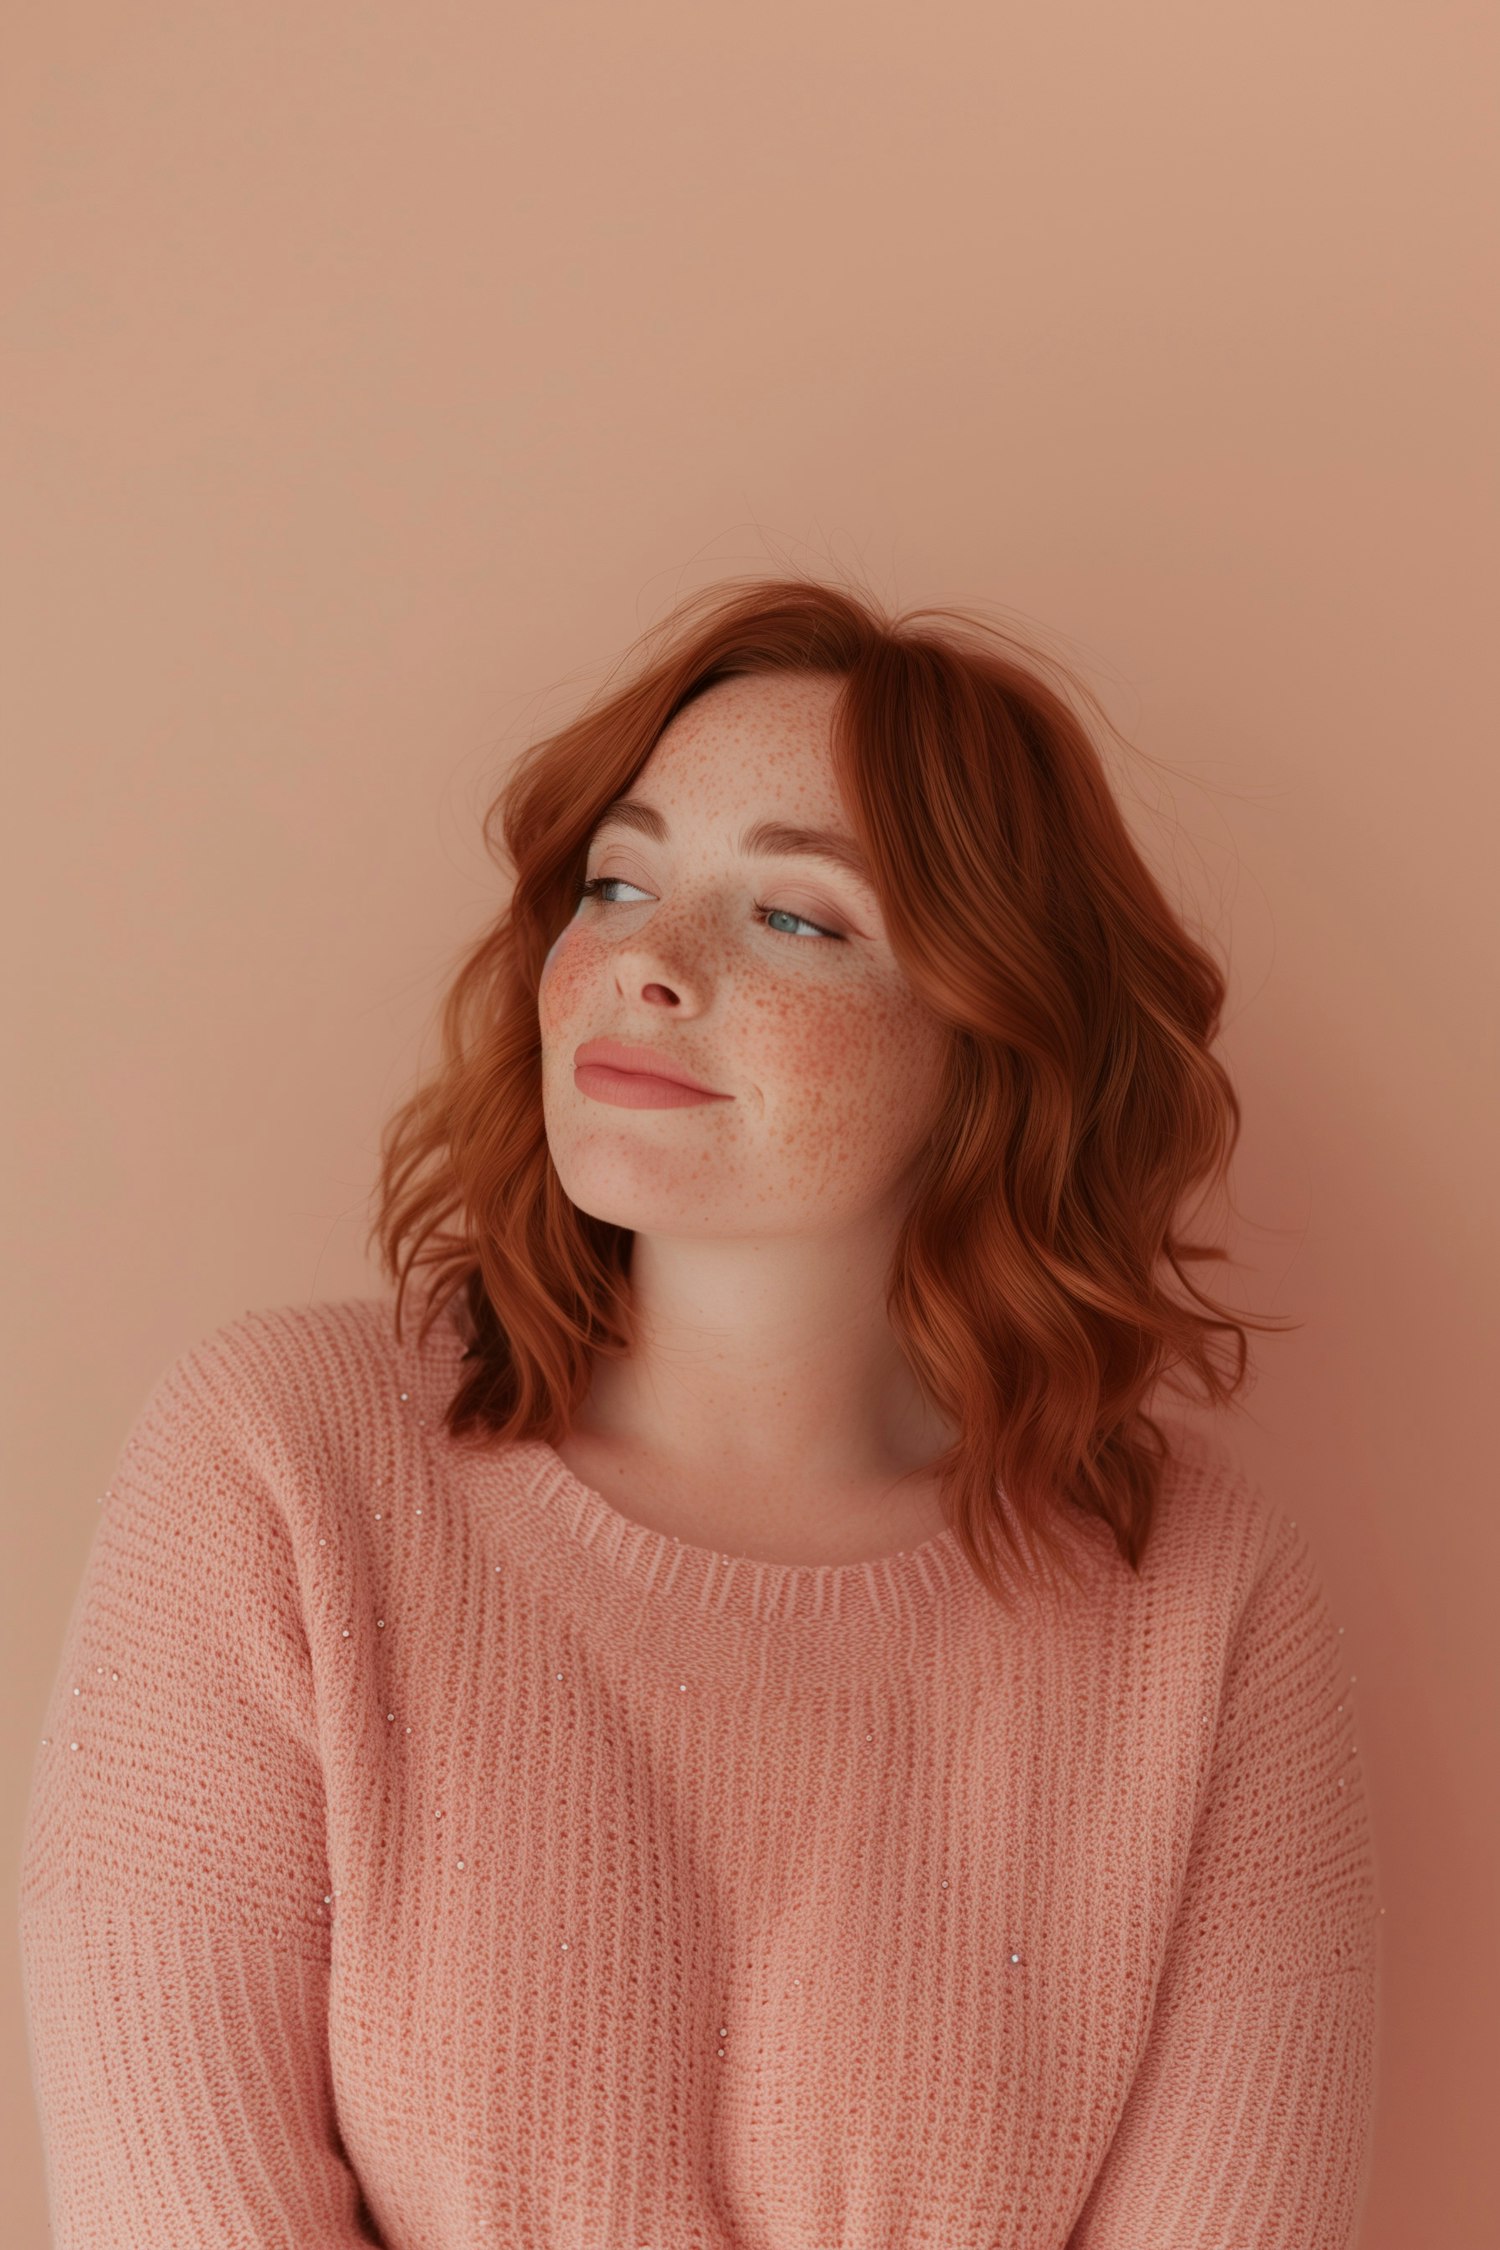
(424,1854)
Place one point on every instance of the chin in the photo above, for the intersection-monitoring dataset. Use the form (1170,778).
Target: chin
(643,1196)
(660,1209)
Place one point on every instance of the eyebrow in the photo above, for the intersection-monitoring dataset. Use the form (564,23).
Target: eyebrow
(763,839)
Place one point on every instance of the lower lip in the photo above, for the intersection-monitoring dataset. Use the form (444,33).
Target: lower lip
(636,1089)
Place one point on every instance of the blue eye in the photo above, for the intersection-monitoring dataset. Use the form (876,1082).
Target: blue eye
(597,885)
(786,914)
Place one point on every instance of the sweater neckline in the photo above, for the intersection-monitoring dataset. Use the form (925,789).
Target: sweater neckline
(659,1562)
(680,1574)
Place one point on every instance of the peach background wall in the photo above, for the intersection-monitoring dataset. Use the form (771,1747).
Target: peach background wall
(376,373)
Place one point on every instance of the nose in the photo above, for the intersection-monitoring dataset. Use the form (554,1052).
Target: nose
(662,963)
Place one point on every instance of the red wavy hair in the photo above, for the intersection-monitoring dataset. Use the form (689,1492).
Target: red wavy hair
(1081,1107)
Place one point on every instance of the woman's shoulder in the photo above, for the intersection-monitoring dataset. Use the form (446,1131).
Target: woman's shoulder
(254,1443)
(1230,1555)
(1215,1525)
(293,1384)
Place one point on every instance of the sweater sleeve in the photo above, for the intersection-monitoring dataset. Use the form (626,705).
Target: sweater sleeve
(175,1931)
(1247,2122)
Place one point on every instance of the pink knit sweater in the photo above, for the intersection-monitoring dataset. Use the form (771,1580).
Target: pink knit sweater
(421,1853)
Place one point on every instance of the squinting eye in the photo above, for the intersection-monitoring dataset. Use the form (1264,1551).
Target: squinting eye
(597,885)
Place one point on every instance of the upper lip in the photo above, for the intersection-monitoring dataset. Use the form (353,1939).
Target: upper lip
(646,1062)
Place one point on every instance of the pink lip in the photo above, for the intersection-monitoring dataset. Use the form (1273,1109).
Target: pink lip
(637,1077)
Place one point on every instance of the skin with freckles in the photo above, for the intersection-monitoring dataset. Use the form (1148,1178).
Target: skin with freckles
(766,1408)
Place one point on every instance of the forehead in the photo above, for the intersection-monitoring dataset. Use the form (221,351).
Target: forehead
(743,736)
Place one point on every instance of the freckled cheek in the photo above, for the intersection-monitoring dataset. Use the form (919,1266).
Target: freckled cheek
(564,971)
(831,1059)
(873,1074)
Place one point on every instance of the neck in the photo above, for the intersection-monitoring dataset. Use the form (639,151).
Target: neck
(771,1360)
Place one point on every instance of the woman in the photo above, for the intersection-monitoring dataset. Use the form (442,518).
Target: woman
(737,1727)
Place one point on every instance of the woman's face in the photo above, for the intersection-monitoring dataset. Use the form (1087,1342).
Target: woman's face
(827,1064)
